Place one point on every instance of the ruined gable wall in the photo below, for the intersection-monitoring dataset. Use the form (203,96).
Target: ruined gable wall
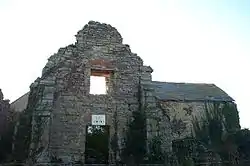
(65,105)
(74,106)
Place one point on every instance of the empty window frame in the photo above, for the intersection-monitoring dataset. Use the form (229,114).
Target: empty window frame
(99,82)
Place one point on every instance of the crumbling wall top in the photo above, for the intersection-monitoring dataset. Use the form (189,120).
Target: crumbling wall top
(97,34)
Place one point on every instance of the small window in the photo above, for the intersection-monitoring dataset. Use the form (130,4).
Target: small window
(97,85)
(99,82)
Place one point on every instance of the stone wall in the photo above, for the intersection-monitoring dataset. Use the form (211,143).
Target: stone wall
(158,122)
(183,113)
(65,106)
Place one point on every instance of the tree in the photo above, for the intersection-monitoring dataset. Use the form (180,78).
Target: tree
(135,143)
(7,123)
(242,139)
(217,130)
(156,155)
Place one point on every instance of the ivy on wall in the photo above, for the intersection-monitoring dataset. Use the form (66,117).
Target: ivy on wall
(22,137)
(24,129)
(178,126)
(136,135)
(188,110)
(215,134)
(114,139)
(220,118)
(6,139)
(215,129)
(135,141)
(229,110)
(155,156)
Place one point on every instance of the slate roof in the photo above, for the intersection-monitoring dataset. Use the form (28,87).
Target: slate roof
(21,103)
(187,91)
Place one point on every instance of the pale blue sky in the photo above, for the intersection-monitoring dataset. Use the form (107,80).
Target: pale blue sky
(205,41)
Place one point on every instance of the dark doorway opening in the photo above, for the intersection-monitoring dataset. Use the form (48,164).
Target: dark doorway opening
(97,145)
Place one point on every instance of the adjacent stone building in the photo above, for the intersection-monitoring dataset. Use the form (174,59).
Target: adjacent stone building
(62,102)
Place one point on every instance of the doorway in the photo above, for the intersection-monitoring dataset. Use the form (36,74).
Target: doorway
(97,144)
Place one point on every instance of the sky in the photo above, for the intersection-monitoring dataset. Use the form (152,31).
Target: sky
(198,41)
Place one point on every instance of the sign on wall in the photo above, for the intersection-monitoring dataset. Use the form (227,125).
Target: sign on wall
(98,120)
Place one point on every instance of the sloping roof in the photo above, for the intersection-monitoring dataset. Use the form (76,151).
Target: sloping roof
(187,91)
(21,103)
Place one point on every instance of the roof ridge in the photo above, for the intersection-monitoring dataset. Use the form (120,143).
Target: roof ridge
(183,83)
(20,97)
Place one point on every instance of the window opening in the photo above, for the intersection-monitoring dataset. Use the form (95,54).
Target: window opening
(99,82)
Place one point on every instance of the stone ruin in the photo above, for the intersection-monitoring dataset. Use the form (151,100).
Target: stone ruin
(61,103)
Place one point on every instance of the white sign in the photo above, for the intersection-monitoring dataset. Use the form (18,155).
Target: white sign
(98,120)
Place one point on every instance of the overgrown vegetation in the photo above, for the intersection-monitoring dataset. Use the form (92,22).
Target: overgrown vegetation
(178,126)
(6,138)
(135,141)
(114,139)
(7,126)
(209,130)
(220,132)
(156,156)
(23,135)
(242,140)
(231,117)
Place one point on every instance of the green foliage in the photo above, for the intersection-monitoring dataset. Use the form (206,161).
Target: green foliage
(114,139)
(217,130)
(185,150)
(22,137)
(188,162)
(220,119)
(24,129)
(135,143)
(155,152)
(6,143)
(215,124)
(242,139)
(178,126)
(229,110)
